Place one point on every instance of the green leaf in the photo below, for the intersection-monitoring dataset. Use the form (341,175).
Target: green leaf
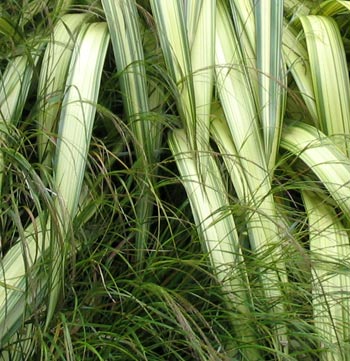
(123,23)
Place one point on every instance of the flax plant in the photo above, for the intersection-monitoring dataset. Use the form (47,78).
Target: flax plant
(52,79)
(329,74)
(15,83)
(329,244)
(75,128)
(181,193)
(237,97)
(217,228)
(38,242)
(124,26)
(323,148)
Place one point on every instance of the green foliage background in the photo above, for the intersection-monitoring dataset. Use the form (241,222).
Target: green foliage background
(179,190)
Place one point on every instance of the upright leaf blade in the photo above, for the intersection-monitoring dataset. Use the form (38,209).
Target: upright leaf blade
(78,113)
(272,84)
(217,229)
(330,252)
(202,62)
(52,79)
(171,24)
(76,121)
(14,87)
(123,22)
(297,61)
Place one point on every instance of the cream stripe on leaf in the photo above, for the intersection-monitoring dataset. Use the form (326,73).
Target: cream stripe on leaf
(270,67)
(14,87)
(123,23)
(330,77)
(192,10)
(202,62)
(297,61)
(52,79)
(262,224)
(330,262)
(190,64)
(323,157)
(245,28)
(237,99)
(240,114)
(217,230)
(75,127)
(244,20)
(171,24)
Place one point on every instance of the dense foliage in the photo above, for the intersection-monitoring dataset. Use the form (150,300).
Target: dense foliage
(174,180)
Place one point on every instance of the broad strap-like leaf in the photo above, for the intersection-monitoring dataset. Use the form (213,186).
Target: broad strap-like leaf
(17,274)
(14,88)
(323,157)
(297,61)
(78,114)
(262,224)
(75,128)
(15,83)
(52,80)
(216,226)
(244,19)
(270,67)
(237,98)
(124,26)
(330,254)
(171,25)
(243,15)
(123,22)
(183,29)
(330,77)
(202,63)
(332,7)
